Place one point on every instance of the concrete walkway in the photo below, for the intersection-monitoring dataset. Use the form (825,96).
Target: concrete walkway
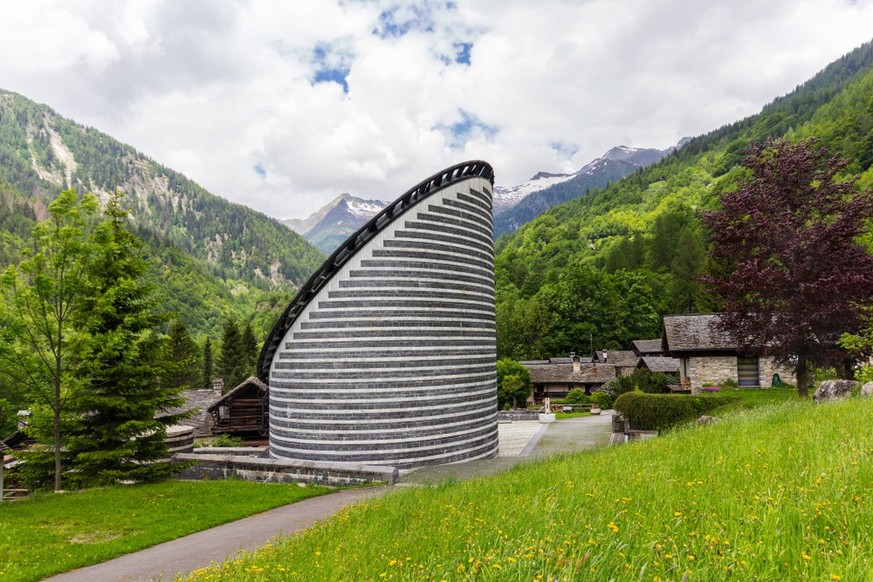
(520,441)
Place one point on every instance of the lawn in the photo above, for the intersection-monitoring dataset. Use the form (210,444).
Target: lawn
(781,492)
(755,397)
(51,533)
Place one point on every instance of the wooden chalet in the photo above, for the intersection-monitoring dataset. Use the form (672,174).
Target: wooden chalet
(243,411)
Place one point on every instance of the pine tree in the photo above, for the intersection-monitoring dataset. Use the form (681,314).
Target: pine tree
(206,381)
(118,437)
(231,362)
(250,350)
(181,357)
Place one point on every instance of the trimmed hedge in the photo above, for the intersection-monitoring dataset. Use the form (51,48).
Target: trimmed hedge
(660,411)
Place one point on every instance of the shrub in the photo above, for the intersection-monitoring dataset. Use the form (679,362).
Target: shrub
(604,399)
(661,411)
(577,396)
(728,384)
(651,382)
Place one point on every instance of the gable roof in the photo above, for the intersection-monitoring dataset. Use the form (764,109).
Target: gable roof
(250,381)
(622,358)
(696,333)
(651,346)
(564,374)
(659,364)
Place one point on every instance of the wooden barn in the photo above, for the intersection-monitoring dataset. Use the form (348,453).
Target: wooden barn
(242,411)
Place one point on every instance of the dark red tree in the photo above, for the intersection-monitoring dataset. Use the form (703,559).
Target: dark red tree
(788,263)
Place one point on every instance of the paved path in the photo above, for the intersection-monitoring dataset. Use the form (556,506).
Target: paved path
(520,441)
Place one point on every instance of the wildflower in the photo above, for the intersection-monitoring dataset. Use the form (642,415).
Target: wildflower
(806,557)
(691,557)
(611,525)
(835,576)
(677,514)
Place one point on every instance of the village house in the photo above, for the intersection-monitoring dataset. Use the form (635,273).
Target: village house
(708,356)
(554,378)
(243,411)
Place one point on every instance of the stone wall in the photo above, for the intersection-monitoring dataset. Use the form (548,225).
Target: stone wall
(264,470)
(712,370)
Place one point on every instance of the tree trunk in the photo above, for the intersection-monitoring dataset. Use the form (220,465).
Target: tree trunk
(56,437)
(801,372)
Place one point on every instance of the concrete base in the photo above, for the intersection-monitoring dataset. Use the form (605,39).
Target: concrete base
(548,418)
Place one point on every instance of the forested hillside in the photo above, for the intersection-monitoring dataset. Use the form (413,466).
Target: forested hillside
(602,269)
(210,258)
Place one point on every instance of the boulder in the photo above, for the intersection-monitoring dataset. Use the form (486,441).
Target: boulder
(867,389)
(705,419)
(835,389)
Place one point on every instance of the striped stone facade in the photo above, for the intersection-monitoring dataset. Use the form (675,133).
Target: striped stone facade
(392,360)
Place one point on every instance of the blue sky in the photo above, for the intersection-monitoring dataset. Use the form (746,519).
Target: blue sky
(284,105)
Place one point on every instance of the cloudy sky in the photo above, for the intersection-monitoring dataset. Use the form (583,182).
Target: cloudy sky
(283,105)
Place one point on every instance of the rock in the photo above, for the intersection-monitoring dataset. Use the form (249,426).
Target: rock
(835,389)
(701,420)
(867,389)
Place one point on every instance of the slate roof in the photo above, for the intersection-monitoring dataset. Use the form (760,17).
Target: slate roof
(696,333)
(622,359)
(198,400)
(647,347)
(250,380)
(659,364)
(564,374)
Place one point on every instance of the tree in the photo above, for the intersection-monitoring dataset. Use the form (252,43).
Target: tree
(44,318)
(181,358)
(790,271)
(513,383)
(116,436)
(231,362)
(249,346)
(207,364)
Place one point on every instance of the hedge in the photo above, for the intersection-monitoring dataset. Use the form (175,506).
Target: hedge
(660,411)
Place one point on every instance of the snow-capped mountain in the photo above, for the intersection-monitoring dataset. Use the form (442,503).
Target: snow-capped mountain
(523,203)
(331,225)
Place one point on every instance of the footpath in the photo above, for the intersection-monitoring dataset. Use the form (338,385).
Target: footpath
(519,442)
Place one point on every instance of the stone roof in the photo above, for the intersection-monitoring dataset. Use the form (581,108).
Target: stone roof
(251,380)
(564,374)
(622,359)
(199,401)
(659,364)
(696,333)
(652,346)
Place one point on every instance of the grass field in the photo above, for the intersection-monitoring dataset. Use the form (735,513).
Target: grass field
(51,533)
(781,492)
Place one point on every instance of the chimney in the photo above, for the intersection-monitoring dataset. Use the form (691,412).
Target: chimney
(23,419)
(577,364)
(217,387)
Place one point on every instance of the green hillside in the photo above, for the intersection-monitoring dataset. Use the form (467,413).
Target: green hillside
(630,252)
(211,258)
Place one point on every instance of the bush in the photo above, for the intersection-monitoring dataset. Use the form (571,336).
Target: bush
(604,399)
(661,411)
(577,396)
(650,382)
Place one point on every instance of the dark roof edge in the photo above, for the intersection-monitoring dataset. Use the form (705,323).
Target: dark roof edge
(439,181)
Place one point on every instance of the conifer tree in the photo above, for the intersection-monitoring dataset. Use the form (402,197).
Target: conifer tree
(206,380)
(250,350)
(117,436)
(231,362)
(181,358)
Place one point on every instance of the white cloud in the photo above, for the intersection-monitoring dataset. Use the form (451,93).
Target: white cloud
(225,91)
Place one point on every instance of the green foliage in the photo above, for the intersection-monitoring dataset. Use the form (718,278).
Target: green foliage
(513,384)
(661,411)
(603,398)
(226,440)
(181,357)
(649,382)
(206,378)
(238,354)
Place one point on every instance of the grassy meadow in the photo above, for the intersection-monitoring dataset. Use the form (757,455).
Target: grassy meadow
(780,492)
(50,533)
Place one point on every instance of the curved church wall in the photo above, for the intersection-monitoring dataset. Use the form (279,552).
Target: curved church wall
(392,360)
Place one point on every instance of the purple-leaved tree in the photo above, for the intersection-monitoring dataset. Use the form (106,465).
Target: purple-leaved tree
(789,266)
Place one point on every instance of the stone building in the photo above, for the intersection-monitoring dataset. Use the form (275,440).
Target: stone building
(707,355)
(554,378)
(387,354)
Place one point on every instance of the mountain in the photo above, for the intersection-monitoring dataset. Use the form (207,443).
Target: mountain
(639,240)
(522,204)
(211,257)
(328,227)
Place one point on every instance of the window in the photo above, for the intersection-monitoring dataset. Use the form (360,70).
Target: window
(747,372)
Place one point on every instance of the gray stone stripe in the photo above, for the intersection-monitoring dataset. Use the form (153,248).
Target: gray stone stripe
(479,262)
(376,416)
(476,199)
(484,197)
(438,354)
(435,236)
(433,225)
(460,214)
(381,437)
(410,333)
(338,314)
(351,422)
(355,293)
(408,284)
(388,364)
(278,384)
(403,265)
(291,373)
(334,450)
(474,226)
(425,302)
(419,246)
(378,276)
(470,208)
(399,428)
(369,344)
(463,385)
(410,323)
(379,404)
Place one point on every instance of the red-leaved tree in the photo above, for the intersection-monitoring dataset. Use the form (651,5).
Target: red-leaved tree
(788,263)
